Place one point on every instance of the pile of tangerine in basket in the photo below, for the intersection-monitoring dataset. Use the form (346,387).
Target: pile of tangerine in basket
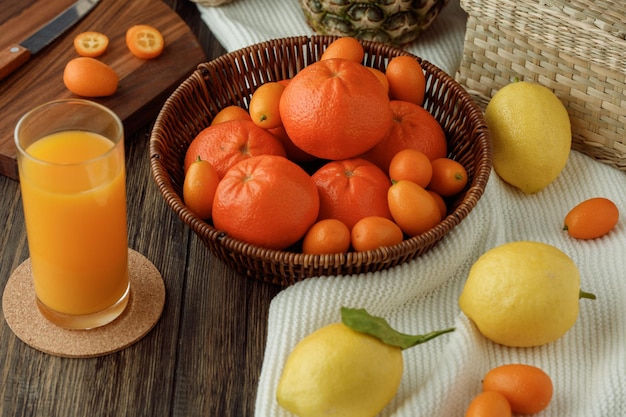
(340,157)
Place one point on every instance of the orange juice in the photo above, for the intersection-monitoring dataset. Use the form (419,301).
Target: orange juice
(73,192)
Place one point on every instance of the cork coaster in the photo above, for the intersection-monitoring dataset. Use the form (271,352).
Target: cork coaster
(147,299)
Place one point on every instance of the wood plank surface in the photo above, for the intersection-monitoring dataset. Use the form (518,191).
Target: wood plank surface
(204,356)
(144,84)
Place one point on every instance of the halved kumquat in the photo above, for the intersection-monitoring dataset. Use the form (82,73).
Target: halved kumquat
(91,44)
(145,41)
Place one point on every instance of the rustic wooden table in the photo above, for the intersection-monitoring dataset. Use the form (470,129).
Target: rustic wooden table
(204,356)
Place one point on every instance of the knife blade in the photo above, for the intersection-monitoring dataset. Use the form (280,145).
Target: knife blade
(15,55)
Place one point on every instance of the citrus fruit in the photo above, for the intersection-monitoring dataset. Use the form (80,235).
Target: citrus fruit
(199,187)
(530,133)
(339,370)
(374,232)
(412,207)
(528,389)
(144,41)
(227,143)
(266,200)
(381,77)
(441,203)
(591,218)
(89,77)
(351,189)
(327,236)
(345,48)
(335,109)
(91,44)
(522,294)
(293,152)
(263,106)
(449,177)
(346,369)
(489,404)
(231,112)
(406,79)
(413,165)
(413,127)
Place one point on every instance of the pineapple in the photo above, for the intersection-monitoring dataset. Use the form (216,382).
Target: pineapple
(397,22)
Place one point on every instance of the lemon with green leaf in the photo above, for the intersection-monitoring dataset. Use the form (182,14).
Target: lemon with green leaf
(346,369)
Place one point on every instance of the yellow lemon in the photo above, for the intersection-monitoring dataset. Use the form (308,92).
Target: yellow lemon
(340,372)
(531,135)
(523,294)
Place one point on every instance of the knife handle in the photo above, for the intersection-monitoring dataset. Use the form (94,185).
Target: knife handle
(12,58)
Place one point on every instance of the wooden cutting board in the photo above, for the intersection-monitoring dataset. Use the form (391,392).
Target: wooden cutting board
(144,84)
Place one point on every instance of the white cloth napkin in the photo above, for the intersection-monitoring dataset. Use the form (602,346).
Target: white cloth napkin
(246,22)
(587,365)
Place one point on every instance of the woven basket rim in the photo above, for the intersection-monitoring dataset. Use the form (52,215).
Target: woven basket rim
(296,260)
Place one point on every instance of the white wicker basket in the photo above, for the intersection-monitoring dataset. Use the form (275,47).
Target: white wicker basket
(574,47)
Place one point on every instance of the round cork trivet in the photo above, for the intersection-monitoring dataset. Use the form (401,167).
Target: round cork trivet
(145,305)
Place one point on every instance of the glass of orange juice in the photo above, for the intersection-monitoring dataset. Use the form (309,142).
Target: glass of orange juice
(70,157)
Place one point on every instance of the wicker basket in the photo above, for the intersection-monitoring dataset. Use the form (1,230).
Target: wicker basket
(232,78)
(574,47)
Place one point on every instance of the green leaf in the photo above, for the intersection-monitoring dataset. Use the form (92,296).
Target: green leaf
(358,319)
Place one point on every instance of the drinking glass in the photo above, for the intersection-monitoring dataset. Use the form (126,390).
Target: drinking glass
(72,176)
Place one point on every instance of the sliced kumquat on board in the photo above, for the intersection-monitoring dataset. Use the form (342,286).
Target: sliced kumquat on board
(91,44)
(144,41)
(199,187)
(89,77)
(374,232)
(527,388)
(232,112)
(264,105)
(489,404)
(326,237)
(412,207)
(449,177)
(406,78)
(344,48)
(591,218)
